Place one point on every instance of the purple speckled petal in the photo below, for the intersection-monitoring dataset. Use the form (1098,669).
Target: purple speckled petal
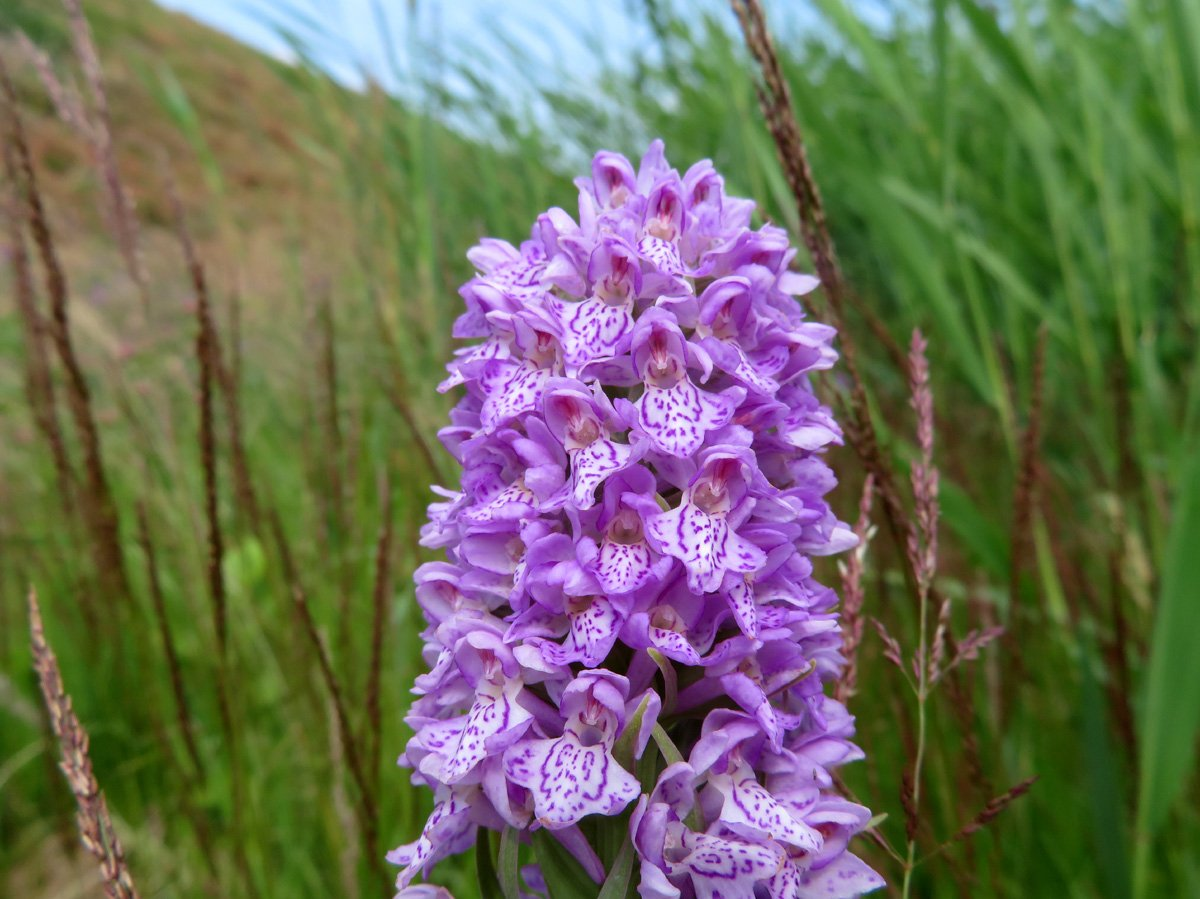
(677,418)
(662,253)
(725,869)
(496,711)
(705,544)
(752,812)
(569,780)
(512,389)
(514,502)
(740,596)
(592,464)
(593,632)
(749,374)
(423,891)
(623,567)
(448,830)
(844,877)
(595,329)
(673,645)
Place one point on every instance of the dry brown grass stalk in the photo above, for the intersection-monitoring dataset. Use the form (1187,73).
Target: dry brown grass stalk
(380,592)
(97,502)
(206,357)
(65,97)
(774,97)
(368,812)
(39,382)
(183,716)
(96,830)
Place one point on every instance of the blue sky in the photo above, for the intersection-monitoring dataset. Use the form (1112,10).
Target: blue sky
(346,34)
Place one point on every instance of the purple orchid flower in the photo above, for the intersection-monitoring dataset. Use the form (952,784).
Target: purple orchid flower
(575,775)
(627,576)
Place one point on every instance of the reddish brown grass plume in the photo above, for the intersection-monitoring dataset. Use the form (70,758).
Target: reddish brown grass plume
(96,830)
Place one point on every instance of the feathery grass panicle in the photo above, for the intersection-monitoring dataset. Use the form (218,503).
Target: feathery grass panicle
(96,830)
(99,508)
(99,134)
(990,812)
(39,382)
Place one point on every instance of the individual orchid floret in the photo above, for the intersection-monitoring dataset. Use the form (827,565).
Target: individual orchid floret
(628,652)
(700,531)
(584,420)
(673,412)
(575,775)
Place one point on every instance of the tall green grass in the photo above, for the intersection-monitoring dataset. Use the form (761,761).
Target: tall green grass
(989,176)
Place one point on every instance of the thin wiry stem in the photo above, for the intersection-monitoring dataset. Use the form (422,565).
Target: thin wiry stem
(853,595)
(96,830)
(368,811)
(182,708)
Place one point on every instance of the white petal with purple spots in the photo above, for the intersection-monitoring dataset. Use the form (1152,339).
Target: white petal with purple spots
(569,780)
(496,711)
(592,464)
(595,329)
(705,544)
(677,418)
(725,869)
(623,567)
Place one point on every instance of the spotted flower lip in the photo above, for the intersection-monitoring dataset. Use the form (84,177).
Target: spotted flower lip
(627,555)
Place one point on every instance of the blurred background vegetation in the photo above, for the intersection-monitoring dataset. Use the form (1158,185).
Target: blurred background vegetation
(1021,180)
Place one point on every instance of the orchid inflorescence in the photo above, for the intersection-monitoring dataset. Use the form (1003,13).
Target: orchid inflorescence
(626,624)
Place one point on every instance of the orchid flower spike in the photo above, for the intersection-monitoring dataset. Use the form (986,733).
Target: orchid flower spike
(625,631)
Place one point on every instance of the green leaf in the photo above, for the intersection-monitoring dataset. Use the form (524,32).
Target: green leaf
(1103,778)
(666,746)
(564,875)
(1171,703)
(509,863)
(623,748)
(485,870)
(620,881)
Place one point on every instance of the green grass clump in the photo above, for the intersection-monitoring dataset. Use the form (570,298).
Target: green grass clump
(1003,180)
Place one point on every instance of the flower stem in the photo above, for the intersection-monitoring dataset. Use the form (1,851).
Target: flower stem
(918,762)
